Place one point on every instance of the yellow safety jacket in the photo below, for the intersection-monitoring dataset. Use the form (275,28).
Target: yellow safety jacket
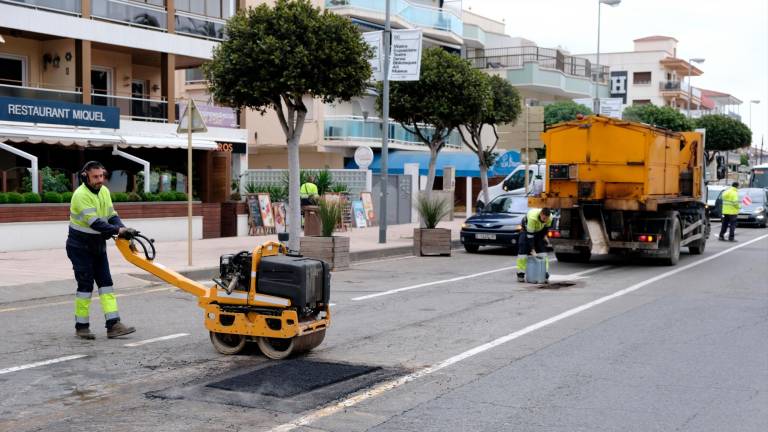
(87,207)
(307,190)
(533,223)
(731,205)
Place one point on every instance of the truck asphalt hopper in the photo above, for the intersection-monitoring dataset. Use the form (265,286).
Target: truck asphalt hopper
(626,188)
(266,296)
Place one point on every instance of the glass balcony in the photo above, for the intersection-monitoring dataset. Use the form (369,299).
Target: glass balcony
(516,57)
(472,31)
(67,6)
(135,14)
(416,14)
(40,91)
(201,26)
(353,128)
(134,108)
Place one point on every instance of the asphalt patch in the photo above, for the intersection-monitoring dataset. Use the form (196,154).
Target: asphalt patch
(289,386)
(556,285)
(292,377)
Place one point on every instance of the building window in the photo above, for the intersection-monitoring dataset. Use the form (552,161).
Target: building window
(641,78)
(641,102)
(194,75)
(12,70)
(222,9)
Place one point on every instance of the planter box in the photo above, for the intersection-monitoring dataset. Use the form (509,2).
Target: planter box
(333,250)
(435,241)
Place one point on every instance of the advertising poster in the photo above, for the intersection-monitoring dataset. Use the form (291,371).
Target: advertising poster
(279,210)
(368,206)
(265,208)
(359,211)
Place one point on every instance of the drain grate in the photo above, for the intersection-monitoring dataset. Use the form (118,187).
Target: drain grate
(556,285)
(293,377)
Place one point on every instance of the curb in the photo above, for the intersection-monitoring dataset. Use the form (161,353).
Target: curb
(354,257)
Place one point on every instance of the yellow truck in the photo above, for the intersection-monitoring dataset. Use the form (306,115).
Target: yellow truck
(624,188)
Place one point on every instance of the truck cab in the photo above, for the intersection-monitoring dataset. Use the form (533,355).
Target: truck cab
(514,183)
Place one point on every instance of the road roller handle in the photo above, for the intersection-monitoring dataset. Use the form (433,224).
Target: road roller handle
(145,260)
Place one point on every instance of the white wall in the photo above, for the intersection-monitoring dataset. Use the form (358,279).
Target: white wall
(19,236)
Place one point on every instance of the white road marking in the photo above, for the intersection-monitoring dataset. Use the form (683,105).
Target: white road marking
(426,284)
(575,276)
(157,339)
(474,275)
(392,384)
(41,363)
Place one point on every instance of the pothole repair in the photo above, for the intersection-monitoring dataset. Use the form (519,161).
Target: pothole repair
(556,285)
(291,386)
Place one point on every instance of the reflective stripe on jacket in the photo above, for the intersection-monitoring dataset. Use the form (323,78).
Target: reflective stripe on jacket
(87,207)
(533,223)
(731,203)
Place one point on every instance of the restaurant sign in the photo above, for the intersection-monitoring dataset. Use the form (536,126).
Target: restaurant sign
(60,113)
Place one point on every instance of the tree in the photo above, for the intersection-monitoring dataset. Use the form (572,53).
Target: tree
(447,93)
(502,106)
(661,117)
(724,133)
(561,111)
(273,56)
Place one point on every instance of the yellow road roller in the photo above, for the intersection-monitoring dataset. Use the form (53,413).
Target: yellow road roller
(267,296)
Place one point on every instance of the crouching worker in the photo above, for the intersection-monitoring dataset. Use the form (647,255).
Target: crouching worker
(92,221)
(533,237)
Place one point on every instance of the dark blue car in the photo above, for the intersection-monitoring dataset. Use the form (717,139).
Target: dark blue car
(498,224)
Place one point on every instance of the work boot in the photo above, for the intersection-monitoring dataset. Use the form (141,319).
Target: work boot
(521,277)
(547,279)
(119,329)
(721,238)
(85,333)
(732,239)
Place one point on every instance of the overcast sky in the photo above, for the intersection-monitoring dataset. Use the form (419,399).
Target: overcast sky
(731,35)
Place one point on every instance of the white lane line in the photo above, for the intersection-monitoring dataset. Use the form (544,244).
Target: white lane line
(426,284)
(41,363)
(392,384)
(474,275)
(157,339)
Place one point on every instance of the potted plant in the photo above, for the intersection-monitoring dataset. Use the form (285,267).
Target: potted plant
(430,240)
(332,249)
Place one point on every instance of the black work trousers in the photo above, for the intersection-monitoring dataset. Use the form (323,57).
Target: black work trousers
(90,264)
(729,224)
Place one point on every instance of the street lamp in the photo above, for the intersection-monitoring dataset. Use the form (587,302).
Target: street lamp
(596,102)
(753,102)
(690,89)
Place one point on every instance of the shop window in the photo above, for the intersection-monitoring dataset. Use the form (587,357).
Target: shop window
(641,78)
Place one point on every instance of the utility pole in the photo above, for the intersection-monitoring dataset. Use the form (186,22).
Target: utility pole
(385,130)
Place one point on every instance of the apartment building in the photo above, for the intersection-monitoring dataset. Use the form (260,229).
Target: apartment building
(117,60)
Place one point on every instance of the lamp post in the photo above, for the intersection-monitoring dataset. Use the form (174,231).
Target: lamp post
(690,89)
(753,102)
(596,102)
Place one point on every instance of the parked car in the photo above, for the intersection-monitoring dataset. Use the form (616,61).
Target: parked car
(753,213)
(514,183)
(713,192)
(498,224)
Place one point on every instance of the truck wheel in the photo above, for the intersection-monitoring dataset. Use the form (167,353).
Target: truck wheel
(578,257)
(471,248)
(697,248)
(674,234)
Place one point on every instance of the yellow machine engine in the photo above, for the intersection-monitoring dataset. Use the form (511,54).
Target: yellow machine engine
(277,300)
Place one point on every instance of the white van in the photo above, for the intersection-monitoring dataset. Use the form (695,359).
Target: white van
(515,182)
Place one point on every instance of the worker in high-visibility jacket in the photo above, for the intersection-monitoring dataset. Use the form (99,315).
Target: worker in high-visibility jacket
(308,191)
(533,235)
(730,213)
(93,220)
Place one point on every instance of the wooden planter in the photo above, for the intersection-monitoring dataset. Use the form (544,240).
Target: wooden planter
(435,241)
(333,250)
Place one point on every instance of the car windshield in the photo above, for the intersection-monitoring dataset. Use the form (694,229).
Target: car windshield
(756,195)
(712,194)
(508,204)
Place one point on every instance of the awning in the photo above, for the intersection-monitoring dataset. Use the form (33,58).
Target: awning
(466,164)
(96,138)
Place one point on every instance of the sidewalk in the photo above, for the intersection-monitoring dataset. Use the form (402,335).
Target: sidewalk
(45,273)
